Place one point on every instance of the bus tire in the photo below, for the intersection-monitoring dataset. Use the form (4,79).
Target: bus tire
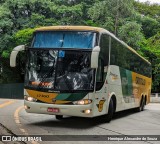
(142,104)
(108,117)
(59,117)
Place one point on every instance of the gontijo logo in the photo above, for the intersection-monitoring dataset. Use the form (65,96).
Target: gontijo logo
(140,81)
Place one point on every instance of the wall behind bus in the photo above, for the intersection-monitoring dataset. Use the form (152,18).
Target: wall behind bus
(12,91)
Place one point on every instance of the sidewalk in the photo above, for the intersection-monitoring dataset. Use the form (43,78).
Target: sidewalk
(155,98)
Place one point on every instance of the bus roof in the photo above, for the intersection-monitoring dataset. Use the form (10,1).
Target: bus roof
(88,28)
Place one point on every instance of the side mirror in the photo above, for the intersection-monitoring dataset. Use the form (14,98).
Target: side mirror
(14,53)
(94,57)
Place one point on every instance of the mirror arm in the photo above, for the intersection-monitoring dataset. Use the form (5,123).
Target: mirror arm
(14,53)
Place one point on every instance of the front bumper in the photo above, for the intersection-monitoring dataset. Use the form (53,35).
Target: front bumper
(70,110)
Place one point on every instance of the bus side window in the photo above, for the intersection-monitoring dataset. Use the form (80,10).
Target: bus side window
(103,61)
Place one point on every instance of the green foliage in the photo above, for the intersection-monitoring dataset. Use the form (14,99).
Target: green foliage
(131,34)
(150,49)
(23,36)
(150,26)
(147,9)
(154,44)
(8,74)
(111,14)
(16,15)
(5,54)
(149,18)
(90,23)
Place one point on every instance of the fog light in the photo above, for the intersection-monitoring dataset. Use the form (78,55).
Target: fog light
(87,111)
(26,107)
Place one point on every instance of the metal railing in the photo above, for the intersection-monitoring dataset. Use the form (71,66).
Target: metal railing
(155,94)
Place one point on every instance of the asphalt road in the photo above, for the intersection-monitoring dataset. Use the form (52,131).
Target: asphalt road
(15,121)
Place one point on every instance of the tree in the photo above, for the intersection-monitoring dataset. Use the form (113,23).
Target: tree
(5,28)
(150,49)
(23,37)
(131,34)
(149,17)
(8,74)
(150,26)
(147,9)
(154,44)
(111,14)
(19,14)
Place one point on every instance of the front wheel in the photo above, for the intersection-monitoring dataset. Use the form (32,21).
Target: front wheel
(59,117)
(108,117)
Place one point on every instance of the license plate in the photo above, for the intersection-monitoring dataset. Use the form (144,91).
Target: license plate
(55,110)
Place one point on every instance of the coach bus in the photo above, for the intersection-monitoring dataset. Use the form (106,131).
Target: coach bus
(82,71)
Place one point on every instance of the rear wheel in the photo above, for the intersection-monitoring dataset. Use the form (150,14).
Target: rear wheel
(59,117)
(142,104)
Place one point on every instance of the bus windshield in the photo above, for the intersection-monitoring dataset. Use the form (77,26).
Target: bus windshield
(64,39)
(59,70)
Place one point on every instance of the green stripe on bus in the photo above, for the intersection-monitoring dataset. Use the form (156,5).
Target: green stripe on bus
(71,96)
(126,80)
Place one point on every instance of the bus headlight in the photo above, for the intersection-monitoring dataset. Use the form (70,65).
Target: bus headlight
(29,98)
(83,102)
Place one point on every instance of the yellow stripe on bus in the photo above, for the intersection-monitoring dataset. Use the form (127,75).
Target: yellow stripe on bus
(42,96)
(45,96)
